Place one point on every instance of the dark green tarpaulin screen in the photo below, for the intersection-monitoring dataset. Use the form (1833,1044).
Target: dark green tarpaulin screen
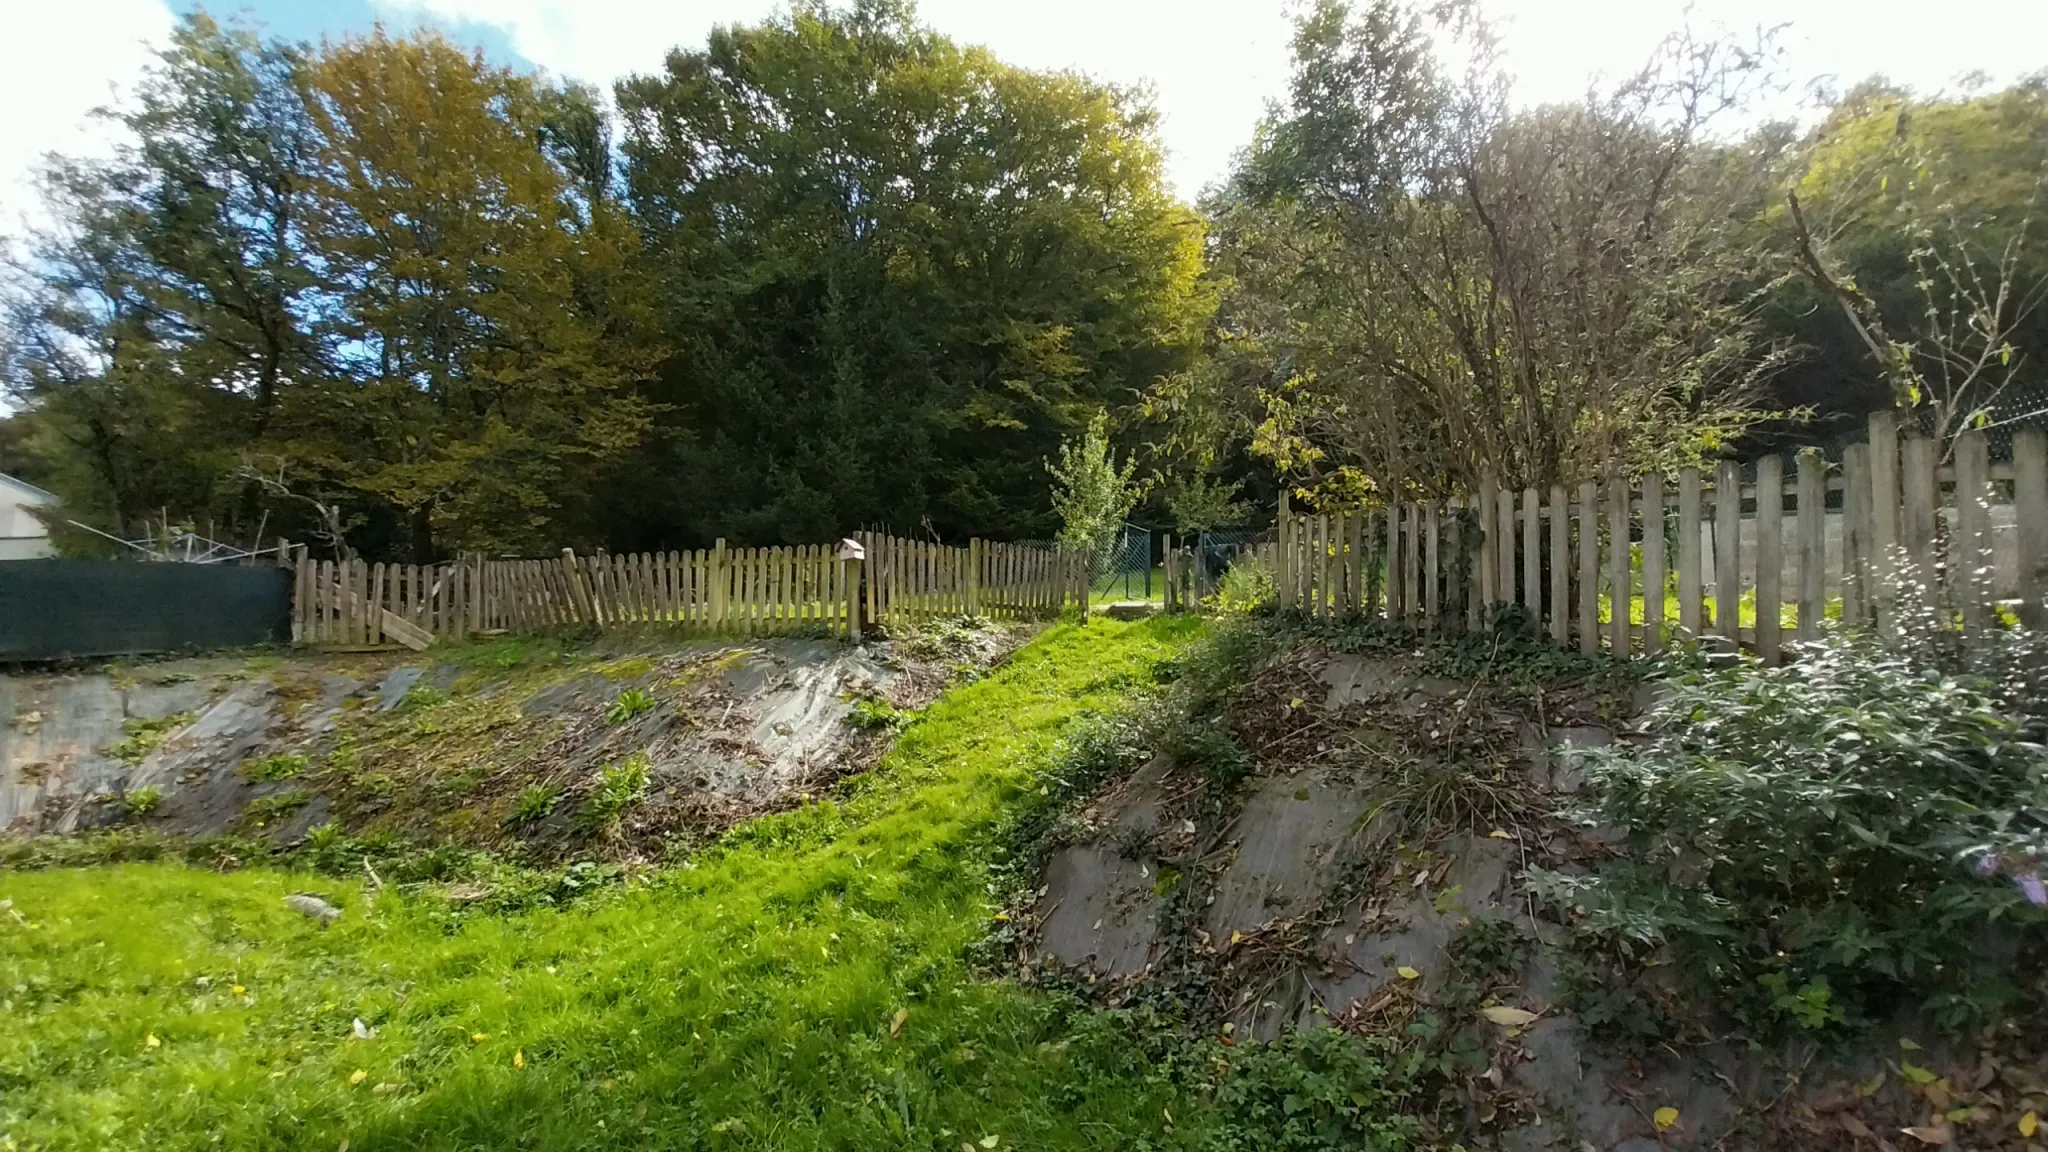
(51,609)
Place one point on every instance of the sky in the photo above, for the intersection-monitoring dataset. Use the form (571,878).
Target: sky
(1212,64)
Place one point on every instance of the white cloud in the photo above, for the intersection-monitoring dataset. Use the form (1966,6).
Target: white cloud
(59,61)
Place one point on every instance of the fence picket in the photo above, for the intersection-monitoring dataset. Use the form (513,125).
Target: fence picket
(1971,576)
(1813,542)
(1532,557)
(1589,568)
(1770,560)
(2030,513)
(1560,566)
(1728,551)
(1691,594)
(1858,598)
(1653,562)
(1619,592)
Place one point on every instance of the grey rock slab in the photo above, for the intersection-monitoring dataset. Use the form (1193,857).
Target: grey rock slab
(396,684)
(1354,679)
(1099,911)
(1292,839)
(1416,931)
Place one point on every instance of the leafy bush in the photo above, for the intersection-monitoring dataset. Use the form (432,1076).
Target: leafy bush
(142,801)
(1247,586)
(619,787)
(1826,840)
(283,766)
(632,702)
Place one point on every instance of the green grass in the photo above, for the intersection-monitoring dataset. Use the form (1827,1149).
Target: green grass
(744,1001)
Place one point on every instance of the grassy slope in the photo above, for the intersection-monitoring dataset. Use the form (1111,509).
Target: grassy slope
(745,1002)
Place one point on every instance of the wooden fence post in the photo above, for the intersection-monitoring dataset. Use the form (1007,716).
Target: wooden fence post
(1884,515)
(577,587)
(1728,552)
(1770,558)
(1813,541)
(1560,566)
(1589,568)
(2030,511)
(1620,596)
(1972,578)
(1653,562)
(721,584)
(850,568)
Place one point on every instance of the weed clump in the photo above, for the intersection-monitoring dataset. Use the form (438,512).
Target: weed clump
(141,737)
(142,801)
(619,786)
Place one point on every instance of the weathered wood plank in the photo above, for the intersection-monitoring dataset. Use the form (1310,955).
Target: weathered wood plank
(1653,562)
(1532,556)
(1770,557)
(1973,585)
(1589,568)
(1813,542)
(1884,514)
(1728,551)
(1619,593)
(2030,511)
(1560,566)
(1691,593)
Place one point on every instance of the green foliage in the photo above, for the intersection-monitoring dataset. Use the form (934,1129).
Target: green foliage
(874,714)
(141,737)
(266,810)
(535,801)
(1825,840)
(631,702)
(140,802)
(1316,1090)
(904,270)
(283,766)
(1092,493)
(619,786)
(1247,586)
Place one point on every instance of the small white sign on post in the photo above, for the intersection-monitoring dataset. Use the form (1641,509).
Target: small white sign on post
(851,549)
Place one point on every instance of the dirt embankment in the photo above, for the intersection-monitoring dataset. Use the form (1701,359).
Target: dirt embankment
(543,746)
(1369,873)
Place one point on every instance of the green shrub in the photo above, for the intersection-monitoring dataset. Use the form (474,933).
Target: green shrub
(1247,586)
(632,702)
(1825,840)
(283,766)
(142,801)
(619,787)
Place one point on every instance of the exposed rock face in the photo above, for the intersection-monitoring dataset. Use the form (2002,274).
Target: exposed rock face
(1391,811)
(274,747)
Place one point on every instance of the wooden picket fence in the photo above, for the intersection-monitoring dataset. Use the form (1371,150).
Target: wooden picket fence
(1744,556)
(745,591)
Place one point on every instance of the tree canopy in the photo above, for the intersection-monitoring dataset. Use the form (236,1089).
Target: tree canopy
(833,270)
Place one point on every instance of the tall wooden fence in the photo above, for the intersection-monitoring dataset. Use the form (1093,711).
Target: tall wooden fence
(1751,556)
(748,591)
